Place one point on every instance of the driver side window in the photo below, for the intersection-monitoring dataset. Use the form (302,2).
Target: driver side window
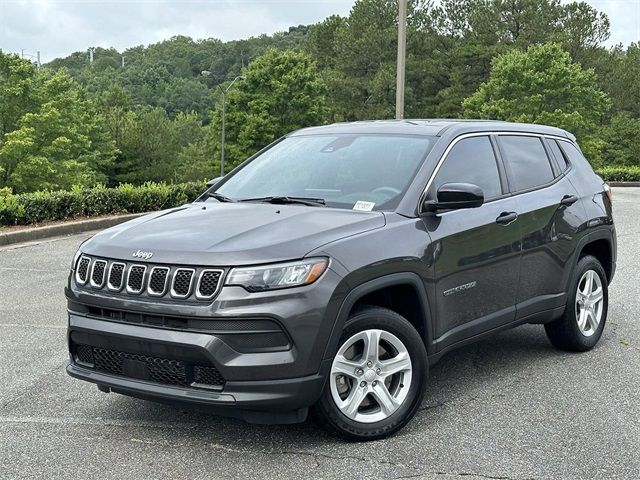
(472,160)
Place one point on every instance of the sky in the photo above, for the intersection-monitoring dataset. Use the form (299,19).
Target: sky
(58,28)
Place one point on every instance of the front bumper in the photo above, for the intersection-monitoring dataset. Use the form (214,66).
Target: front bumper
(269,401)
(262,401)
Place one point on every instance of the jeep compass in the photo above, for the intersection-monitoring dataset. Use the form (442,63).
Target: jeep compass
(329,271)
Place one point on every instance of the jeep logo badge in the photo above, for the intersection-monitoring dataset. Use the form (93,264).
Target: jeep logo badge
(143,255)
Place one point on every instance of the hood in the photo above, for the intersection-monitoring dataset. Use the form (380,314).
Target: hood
(225,234)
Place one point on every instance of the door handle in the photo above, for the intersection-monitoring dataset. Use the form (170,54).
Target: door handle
(568,200)
(506,218)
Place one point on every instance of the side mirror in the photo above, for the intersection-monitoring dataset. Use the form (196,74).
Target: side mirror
(213,181)
(454,196)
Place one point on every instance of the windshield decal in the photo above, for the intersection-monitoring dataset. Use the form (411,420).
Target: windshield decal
(364,206)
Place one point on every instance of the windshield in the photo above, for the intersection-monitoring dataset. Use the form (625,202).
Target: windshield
(362,172)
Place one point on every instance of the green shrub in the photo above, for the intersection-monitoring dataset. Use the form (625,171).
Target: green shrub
(30,208)
(619,174)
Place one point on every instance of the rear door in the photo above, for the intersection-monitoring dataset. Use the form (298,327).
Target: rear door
(476,252)
(549,215)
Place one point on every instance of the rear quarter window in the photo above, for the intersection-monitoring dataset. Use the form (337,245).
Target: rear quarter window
(527,160)
(573,154)
(558,155)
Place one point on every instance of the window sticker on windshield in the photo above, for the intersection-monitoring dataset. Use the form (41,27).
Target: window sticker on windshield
(364,206)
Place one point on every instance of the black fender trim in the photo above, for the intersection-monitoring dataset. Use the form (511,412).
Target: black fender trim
(607,234)
(355,294)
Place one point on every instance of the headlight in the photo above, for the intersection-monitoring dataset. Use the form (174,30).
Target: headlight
(279,275)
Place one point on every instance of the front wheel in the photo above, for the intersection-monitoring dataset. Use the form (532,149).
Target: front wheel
(377,377)
(581,326)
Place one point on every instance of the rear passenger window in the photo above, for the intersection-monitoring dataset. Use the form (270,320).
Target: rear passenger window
(472,160)
(528,160)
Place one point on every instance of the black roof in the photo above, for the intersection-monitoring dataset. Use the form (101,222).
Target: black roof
(431,127)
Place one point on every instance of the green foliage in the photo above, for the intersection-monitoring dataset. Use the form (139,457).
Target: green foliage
(621,141)
(540,85)
(56,139)
(30,208)
(619,174)
(281,92)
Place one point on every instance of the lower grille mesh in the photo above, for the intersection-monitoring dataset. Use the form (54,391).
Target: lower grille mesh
(156,369)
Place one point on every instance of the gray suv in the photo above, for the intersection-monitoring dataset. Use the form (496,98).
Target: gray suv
(331,269)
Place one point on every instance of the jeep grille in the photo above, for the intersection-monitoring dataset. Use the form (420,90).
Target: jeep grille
(199,284)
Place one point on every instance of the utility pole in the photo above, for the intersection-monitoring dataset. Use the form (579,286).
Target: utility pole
(223,91)
(224,106)
(402,53)
(34,58)
(122,61)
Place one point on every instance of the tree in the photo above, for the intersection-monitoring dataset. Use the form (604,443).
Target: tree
(620,141)
(55,137)
(281,92)
(540,85)
(17,91)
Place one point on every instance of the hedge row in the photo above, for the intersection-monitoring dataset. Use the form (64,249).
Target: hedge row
(619,174)
(30,208)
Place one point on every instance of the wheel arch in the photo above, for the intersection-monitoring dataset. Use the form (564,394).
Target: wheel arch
(600,244)
(395,283)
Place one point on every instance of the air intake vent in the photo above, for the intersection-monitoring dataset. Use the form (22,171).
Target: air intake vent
(158,281)
(98,273)
(135,279)
(182,280)
(116,276)
(208,284)
(82,270)
(167,371)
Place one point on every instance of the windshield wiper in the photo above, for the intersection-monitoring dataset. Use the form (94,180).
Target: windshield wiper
(283,200)
(220,197)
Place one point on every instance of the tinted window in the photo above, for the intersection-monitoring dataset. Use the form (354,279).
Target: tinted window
(557,153)
(528,160)
(472,160)
(574,155)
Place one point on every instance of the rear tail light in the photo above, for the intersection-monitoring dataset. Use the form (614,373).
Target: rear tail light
(608,192)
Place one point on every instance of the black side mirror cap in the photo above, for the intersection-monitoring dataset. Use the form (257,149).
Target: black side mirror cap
(455,196)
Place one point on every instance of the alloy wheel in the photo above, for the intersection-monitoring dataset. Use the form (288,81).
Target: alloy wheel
(371,376)
(589,303)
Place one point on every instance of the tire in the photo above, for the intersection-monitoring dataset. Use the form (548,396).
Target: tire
(566,333)
(377,414)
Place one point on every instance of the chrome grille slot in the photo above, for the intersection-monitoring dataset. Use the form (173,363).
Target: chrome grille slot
(98,271)
(208,284)
(82,270)
(158,281)
(135,278)
(116,276)
(182,281)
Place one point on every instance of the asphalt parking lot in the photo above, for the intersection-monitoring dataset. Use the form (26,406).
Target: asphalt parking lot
(510,407)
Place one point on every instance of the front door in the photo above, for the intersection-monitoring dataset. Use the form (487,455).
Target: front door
(476,252)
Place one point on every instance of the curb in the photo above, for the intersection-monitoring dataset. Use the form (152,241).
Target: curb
(624,184)
(68,228)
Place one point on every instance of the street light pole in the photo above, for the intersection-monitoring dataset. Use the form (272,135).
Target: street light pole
(402,50)
(224,108)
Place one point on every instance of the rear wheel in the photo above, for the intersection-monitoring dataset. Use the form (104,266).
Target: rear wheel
(581,326)
(377,376)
